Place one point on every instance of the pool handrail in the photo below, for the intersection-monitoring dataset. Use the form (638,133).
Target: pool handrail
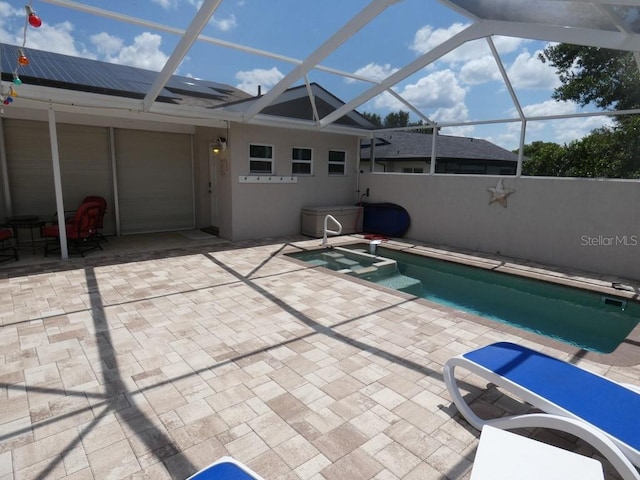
(326,228)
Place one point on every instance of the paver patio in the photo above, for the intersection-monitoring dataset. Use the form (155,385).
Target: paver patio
(155,364)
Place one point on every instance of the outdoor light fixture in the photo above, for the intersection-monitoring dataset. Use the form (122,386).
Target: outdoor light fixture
(22,58)
(220,145)
(34,20)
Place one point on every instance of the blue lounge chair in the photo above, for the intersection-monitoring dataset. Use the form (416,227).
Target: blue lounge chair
(598,410)
(226,468)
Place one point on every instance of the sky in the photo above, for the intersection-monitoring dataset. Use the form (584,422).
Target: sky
(463,86)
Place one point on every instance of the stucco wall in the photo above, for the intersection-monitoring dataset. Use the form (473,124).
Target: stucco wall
(261,210)
(587,224)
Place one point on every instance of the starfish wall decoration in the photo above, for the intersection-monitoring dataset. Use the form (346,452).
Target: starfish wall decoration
(499,194)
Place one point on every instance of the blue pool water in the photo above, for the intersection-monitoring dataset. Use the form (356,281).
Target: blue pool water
(582,318)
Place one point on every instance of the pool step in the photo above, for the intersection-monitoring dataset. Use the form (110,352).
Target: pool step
(401,282)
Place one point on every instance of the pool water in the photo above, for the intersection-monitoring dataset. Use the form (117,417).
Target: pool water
(581,318)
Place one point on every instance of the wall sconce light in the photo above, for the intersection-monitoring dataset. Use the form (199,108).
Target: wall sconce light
(220,145)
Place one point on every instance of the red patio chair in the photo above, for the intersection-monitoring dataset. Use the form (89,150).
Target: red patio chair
(103,203)
(6,234)
(81,230)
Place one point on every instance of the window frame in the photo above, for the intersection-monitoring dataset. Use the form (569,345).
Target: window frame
(295,161)
(270,160)
(342,163)
(413,170)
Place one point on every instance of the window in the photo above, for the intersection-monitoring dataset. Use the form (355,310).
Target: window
(337,162)
(260,159)
(301,161)
(412,170)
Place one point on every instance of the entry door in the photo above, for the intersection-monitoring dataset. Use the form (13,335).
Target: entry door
(213,185)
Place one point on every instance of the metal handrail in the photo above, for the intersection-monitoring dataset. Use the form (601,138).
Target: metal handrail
(326,228)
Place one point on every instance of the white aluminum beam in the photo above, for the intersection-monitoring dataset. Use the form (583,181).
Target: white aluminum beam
(576,36)
(472,32)
(203,38)
(199,21)
(434,141)
(57,183)
(410,106)
(523,136)
(8,203)
(505,77)
(356,23)
(312,99)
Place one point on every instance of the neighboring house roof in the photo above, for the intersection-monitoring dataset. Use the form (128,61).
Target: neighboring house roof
(295,103)
(55,70)
(408,145)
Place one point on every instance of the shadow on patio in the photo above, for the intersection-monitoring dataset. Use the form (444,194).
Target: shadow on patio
(157,363)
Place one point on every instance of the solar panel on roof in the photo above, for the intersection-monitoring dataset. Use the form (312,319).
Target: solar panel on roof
(80,72)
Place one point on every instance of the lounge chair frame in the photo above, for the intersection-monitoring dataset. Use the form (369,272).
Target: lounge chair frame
(622,456)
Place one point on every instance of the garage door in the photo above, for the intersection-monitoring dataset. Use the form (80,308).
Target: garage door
(155,186)
(84,165)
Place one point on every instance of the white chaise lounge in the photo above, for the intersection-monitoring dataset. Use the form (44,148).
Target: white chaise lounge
(602,412)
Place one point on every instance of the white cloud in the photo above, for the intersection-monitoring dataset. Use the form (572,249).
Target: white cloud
(107,44)
(144,53)
(560,131)
(374,71)
(438,95)
(251,79)
(549,107)
(55,38)
(456,113)
(427,38)
(480,70)
(7,12)
(167,4)
(571,129)
(436,90)
(528,72)
(461,131)
(225,24)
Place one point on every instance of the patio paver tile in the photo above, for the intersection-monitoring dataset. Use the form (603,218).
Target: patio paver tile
(154,366)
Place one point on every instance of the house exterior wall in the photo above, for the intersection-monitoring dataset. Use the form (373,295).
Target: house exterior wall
(586,224)
(154,171)
(160,188)
(259,210)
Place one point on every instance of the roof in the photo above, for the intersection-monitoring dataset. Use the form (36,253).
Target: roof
(83,75)
(55,70)
(407,145)
(295,103)
(612,24)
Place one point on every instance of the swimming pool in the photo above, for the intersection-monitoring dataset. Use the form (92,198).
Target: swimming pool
(581,318)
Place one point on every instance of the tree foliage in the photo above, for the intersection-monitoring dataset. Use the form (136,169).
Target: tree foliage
(373,118)
(399,119)
(606,79)
(597,76)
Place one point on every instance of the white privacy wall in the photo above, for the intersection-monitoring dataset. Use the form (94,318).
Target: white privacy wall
(587,224)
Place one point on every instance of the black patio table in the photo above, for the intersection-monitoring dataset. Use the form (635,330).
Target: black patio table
(31,222)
